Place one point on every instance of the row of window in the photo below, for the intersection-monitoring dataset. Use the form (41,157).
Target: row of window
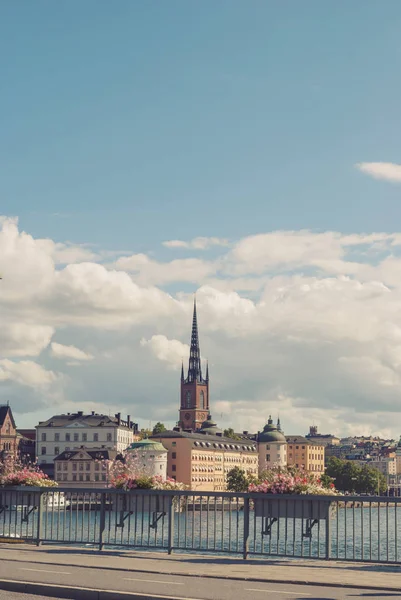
(219,458)
(75,437)
(81,477)
(81,466)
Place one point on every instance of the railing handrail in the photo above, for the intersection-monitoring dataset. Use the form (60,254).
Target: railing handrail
(210,494)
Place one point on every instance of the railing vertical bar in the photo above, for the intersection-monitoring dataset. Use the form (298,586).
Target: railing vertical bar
(293,535)
(207,523)
(378,529)
(362,532)
(142,517)
(186,518)
(95,516)
(396,532)
(58,517)
(200,523)
(222,523)
(386,512)
(214,524)
(245,549)
(237,527)
(229,521)
(353,530)
(345,528)
(337,529)
(193,525)
(370,530)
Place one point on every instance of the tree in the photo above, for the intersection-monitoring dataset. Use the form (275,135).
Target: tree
(237,480)
(145,433)
(352,477)
(159,428)
(230,433)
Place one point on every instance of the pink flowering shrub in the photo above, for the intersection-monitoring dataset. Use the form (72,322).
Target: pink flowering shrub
(291,481)
(128,474)
(13,472)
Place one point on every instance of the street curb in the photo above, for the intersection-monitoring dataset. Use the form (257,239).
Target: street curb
(73,593)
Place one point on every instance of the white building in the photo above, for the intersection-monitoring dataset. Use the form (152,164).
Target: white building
(387,466)
(272,447)
(151,457)
(67,432)
(398,457)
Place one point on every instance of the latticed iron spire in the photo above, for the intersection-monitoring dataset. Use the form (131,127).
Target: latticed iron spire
(195,367)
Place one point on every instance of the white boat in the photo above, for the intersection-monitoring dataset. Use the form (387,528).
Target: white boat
(55,500)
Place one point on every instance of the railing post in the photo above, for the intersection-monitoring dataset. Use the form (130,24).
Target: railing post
(171,522)
(40,520)
(102,523)
(328,533)
(246,529)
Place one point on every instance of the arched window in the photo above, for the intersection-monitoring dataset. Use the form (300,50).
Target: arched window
(188,400)
(202,399)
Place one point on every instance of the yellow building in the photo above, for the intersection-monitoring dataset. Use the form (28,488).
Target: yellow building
(305,454)
(202,459)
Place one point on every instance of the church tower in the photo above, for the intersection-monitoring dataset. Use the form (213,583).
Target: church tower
(194,408)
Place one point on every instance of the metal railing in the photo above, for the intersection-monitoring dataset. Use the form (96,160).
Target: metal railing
(342,527)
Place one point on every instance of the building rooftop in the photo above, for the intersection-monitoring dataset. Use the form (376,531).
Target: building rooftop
(94,453)
(147,445)
(296,439)
(210,441)
(271,433)
(88,420)
(4,410)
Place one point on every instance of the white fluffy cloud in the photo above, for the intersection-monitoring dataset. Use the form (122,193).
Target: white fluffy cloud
(70,352)
(146,271)
(198,243)
(381,170)
(172,352)
(27,373)
(299,323)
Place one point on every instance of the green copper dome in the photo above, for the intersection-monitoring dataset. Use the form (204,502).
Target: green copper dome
(210,426)
(271,434)
(147,445)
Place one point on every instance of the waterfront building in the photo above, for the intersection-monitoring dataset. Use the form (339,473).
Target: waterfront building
(194,405)
(305,454)
(398,457)
(83,467)
(386,465)
(321,439)
(67,432)
(151,457)
(272,447)
(8,432)
(27,445)
(201,459)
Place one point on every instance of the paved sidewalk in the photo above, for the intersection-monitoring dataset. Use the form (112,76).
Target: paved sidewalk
(325,573)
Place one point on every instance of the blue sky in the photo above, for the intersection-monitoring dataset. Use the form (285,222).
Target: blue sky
(124,124)
(245,150)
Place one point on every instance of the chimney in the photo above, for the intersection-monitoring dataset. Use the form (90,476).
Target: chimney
(80,413)
(129,421)
(93,412)
(118,417)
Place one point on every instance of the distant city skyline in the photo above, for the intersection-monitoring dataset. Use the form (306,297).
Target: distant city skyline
(243,151)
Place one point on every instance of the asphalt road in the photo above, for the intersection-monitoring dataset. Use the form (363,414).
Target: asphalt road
(190,588)
(14,596)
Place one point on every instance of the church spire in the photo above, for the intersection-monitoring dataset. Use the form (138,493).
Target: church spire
(182,370)
(207,371)
(194,367)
